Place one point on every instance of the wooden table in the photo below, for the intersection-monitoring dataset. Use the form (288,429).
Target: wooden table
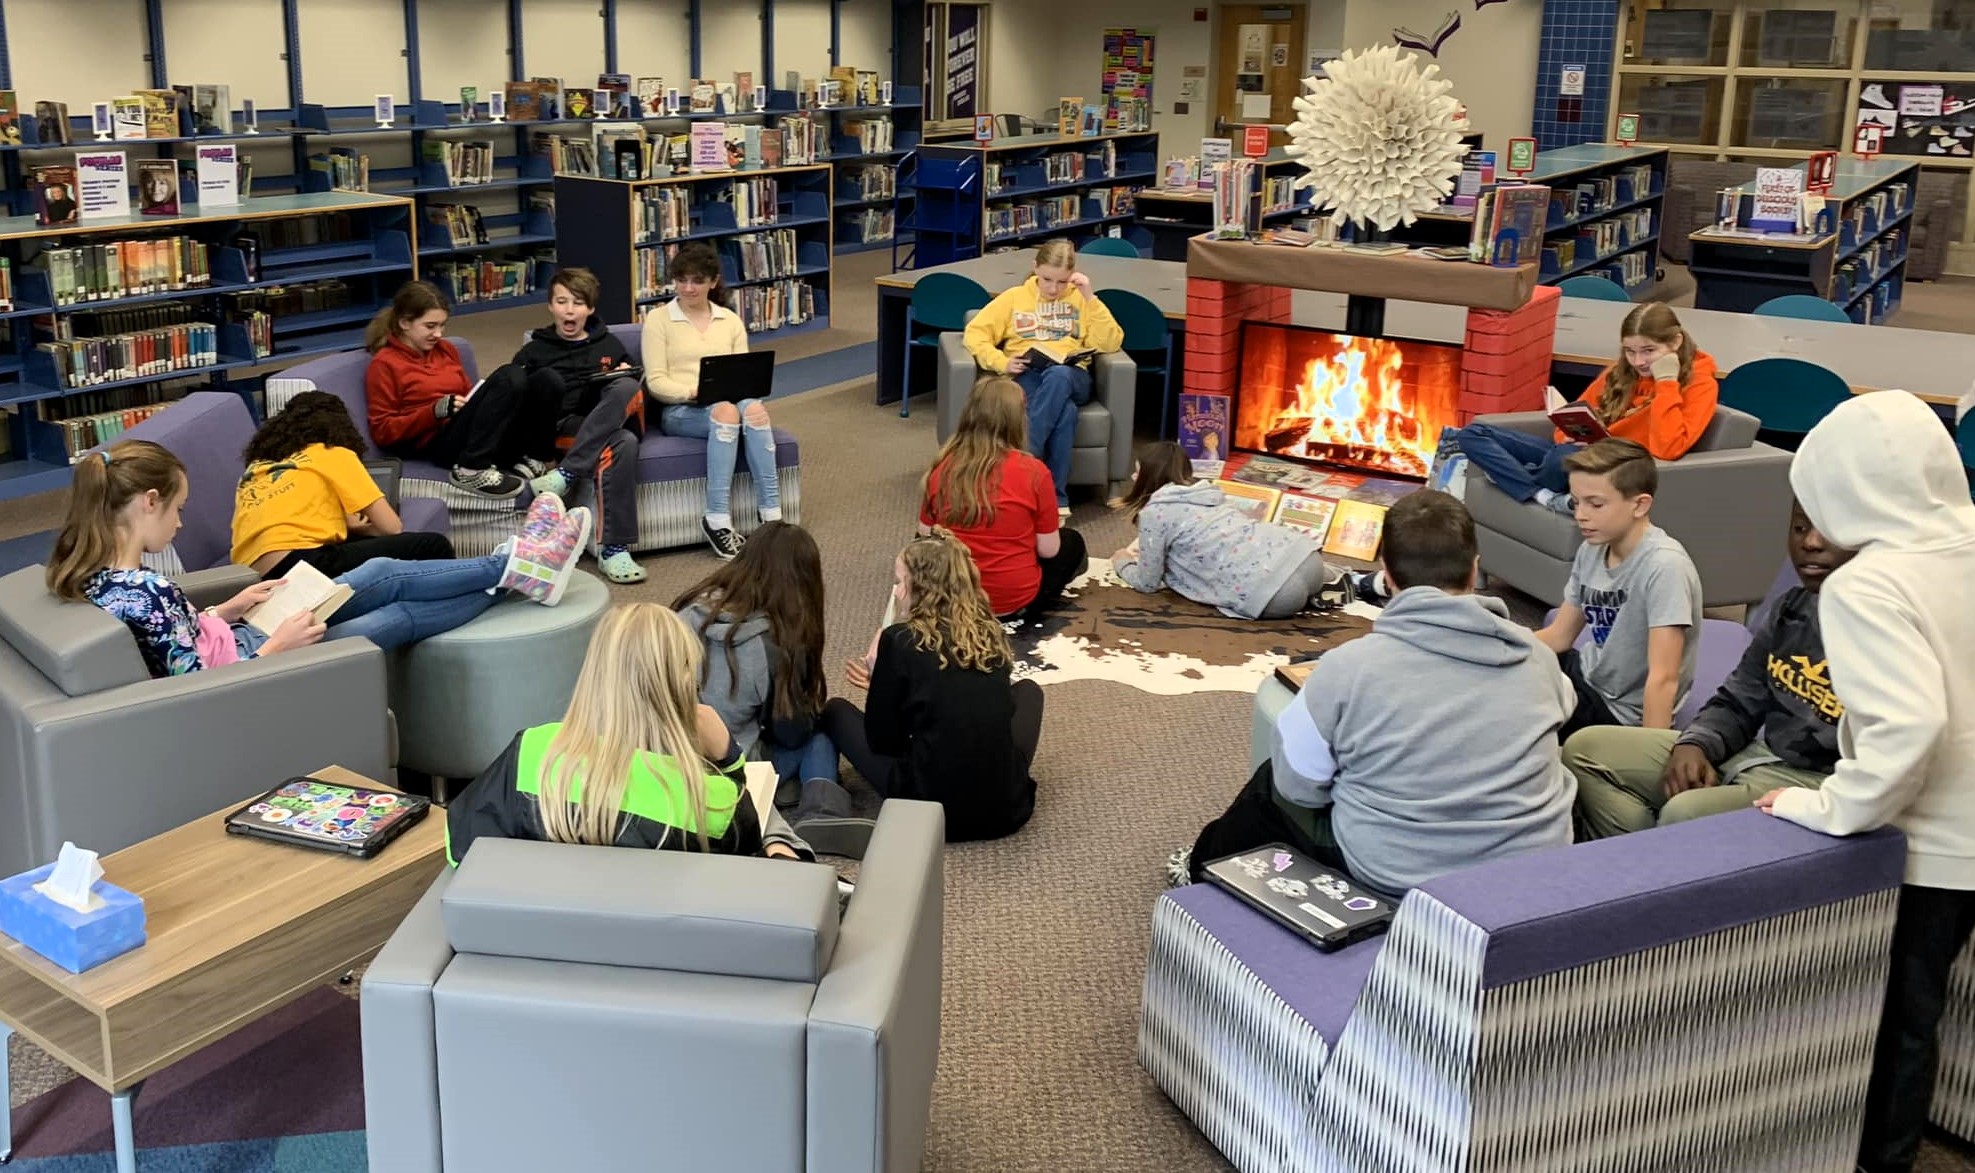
(236,928)
(1161,282)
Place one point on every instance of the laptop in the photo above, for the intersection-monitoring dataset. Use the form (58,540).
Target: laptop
(1303,896)
(730,378)
(308,812)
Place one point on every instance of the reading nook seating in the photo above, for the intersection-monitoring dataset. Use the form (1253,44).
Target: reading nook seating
(93,750)
(1101,453)
(671,469)
(611,983)
(1728,496)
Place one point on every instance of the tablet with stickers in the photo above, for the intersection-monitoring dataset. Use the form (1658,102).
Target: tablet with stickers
(309,812)
(1309,899)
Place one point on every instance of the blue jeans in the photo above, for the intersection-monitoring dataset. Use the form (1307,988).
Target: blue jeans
(815,758)
(723,451)
(1053,395)
(1519,464)
(398,603)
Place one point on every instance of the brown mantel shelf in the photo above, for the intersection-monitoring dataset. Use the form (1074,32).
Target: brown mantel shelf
(1395,276)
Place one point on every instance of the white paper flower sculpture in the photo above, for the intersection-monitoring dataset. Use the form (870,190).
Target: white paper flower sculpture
(1380,136)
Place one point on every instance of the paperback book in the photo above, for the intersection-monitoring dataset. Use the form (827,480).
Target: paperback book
(1575,420)
(303,588)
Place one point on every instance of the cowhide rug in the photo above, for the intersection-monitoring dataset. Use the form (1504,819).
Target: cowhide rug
(1165,644)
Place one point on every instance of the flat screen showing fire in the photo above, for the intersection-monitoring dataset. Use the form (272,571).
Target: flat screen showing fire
(1374,403)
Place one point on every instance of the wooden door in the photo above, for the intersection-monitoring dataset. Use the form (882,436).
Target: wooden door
(1260,67)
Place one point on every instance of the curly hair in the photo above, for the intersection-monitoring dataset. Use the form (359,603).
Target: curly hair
(950,616)
(313,417)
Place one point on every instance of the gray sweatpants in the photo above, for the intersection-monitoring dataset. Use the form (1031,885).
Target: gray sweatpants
(603,456)
(1294,595)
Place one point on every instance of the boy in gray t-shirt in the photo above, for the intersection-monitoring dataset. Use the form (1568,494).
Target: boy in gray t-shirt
(1635,588)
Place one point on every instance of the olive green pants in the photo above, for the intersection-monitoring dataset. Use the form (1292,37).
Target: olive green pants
(1619,772)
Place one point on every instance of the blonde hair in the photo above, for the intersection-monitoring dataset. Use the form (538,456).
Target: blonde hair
(950,616)
(103,483)
(1654,320)
(1056,254)
(637,692)
(994,423)
(415,299)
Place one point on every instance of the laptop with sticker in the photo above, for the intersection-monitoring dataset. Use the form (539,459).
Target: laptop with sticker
(1307,898)
(309,812)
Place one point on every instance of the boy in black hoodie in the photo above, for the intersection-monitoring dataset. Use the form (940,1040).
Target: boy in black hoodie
(1773,722)
(604,417)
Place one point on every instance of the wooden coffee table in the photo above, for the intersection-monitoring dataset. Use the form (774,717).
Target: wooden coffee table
(237,927)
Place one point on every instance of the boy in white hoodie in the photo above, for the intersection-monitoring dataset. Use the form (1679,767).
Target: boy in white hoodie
(1881,475)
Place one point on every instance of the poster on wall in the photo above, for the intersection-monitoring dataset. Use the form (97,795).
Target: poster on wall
(962,59)
(1929,119)
(1127,79)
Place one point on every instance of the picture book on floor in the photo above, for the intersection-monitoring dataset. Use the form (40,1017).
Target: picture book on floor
(1257,501)
(1205,423)
(1575,420)
(303,588)
(1267,470)
(1355,530)
(1310,514)
(1382,491)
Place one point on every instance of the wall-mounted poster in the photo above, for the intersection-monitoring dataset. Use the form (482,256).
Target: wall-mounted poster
(1127,79)
(956,64)
(1928,119)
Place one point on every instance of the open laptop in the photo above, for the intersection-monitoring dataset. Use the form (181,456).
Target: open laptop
(1309,899)
(730,378)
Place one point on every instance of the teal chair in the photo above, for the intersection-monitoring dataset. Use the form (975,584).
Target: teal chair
(1803,306)
(940,302)
(1148,339)
(1110,246)
(1964,439)
(1788,396)
(1593,287)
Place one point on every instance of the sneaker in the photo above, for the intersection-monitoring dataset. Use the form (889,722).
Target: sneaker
(1562,503)
(725,542)
(528,468)
(541,570)
(1365,585)
(553,482)
(1334,594)
(616,564)
(1179,867)
(544,514)
(825,818)
(1062,513)
(488,482)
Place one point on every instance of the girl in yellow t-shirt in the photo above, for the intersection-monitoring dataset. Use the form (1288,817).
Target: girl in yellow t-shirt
(307,497)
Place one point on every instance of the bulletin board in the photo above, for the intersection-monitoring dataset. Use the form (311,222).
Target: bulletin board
(1929,119)
(1127,70)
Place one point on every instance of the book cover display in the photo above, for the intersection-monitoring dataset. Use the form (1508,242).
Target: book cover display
(1205,425)
(1355,530)
(55,201)
(1257,501)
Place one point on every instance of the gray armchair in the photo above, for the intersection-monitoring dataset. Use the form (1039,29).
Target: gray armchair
(1727,501)
(660,1009)
(92,749)
(1102,452)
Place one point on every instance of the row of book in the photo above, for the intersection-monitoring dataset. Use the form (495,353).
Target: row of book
(1601,194)
(757,201)
(758,256)
(874,181)
(1063,167)
(466,163)
(1278,193)
(344,168)
(868,225)
(292,299)
(662,213)
(111,269)
(1868,265)
(620,95)
(258,326)
(1114,201)
(653,271)
(1873,211)
(1237,214)
(307,231)
(872,135)
(487,280)
(463,223)
(80,433)
(771,307)
(567,154)
(1004,220)
(85,362)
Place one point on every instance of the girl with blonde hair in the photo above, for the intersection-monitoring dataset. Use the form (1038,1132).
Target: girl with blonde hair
(998,501)
(1055,313)
(944,721)
(636,760)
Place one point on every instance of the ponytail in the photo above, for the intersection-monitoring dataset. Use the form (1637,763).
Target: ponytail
(414,300)
(105,481)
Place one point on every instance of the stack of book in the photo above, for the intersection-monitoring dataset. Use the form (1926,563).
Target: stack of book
(756,202)
(126,268)
(663,213)
(463,223)
(873,136)
(567,155)
(771,307)
(464,162)
(758,256)
(345,169)
(83,431)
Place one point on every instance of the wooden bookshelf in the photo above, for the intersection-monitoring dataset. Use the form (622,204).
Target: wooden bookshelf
(958,198)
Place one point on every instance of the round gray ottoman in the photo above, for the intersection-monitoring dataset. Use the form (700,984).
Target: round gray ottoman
(461,697)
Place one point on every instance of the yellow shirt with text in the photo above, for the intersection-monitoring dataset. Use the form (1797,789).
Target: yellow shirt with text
(299,503)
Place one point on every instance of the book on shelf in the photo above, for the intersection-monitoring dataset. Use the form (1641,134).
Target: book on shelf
(302,588)
(650,92)
(845,79)
(161,113)
(771,146)
(613,95)
(343,168)
(212,109)
(1091,124)
(1577,420)
(55,202)
(579,102)
(104,270)
(1355,530)
(1258,502)
(1508,224)
(566,154)
(1069,116)
(102,184)
(743,93)
(548,98)
(733,139)
(620,149)
(464,163)
(703,97)
(10,118)
(524,101)
(127,117)
(52,121)
(868,88)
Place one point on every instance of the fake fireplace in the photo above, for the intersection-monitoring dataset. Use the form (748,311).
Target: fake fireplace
(1372,403)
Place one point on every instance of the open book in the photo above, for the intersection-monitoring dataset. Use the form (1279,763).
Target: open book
(1040,356)
(760,790)
(303,588)
(1576,420)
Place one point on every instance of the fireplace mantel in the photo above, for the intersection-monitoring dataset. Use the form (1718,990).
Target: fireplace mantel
(1395,276)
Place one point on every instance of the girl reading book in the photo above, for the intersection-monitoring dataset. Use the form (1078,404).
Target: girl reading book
(1192,540)
(1054,313)
(307,497)
(944,721)
(1661,393)
(695,323)
(636,760)
(998,501)
(125,502)
(423,406)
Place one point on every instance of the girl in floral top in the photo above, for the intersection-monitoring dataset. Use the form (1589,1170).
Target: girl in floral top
(125,502)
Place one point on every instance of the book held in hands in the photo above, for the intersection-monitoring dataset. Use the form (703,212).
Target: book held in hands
(1576,420)
(1039,355)
(303,588)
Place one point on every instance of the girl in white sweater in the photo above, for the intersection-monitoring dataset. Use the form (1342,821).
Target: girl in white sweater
(695,323)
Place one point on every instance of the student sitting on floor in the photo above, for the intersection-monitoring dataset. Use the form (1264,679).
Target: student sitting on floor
(636,760)
(126,500)
(602,418)
(943,722)
(1192,540)
(307,497)
(1773,722)
(997,500)
(1429,744)
(1637,590)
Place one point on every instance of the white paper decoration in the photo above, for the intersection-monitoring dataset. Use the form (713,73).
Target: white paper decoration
(1380,137)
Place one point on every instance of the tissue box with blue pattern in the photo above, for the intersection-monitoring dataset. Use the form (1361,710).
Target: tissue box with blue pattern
(76,941)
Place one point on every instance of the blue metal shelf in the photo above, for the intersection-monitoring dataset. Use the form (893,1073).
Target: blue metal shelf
(516,241)
(716,233)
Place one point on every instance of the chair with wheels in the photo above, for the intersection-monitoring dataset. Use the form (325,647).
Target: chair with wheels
(940,302)
(1148,339)
(1592,287)
(1803,306)
(1109,246)
(1788,396)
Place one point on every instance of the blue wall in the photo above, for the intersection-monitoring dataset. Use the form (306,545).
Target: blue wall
(1575,32)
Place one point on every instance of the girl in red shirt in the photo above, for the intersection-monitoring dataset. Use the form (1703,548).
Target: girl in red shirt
(424,407)
(1001,503)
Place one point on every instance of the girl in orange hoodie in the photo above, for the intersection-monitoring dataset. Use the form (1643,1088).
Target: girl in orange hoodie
(1661,393)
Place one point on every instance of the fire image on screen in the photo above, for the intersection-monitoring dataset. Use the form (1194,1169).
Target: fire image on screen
(1373,403)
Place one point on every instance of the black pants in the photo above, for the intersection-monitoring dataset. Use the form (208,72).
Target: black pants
(1058,571)
(844,723)
(1591,707)
(603,452)
(1259,816)
(511,416)
(1933,926)
(344,557)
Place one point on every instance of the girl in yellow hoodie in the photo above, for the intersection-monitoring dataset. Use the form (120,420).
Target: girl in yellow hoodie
(1054,312)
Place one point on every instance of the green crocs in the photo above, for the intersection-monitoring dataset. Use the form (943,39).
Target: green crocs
(621,568)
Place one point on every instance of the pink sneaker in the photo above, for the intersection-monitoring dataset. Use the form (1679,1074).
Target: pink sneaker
(540,570)
(544,514)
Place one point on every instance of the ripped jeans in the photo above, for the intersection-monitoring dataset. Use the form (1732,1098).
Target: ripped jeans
(724,445)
